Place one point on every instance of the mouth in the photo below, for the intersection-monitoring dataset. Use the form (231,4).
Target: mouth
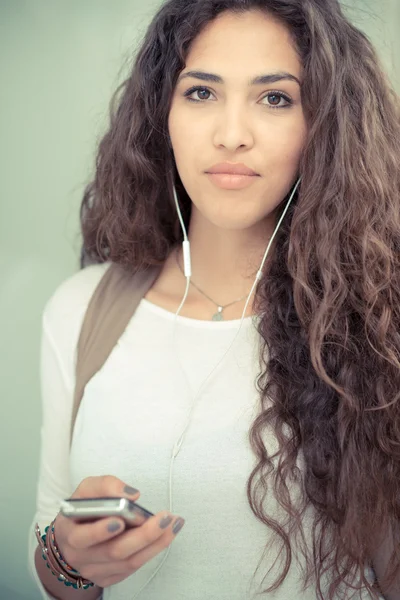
(231,181)
(231,169)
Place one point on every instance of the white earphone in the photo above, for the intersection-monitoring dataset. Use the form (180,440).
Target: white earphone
(188,272)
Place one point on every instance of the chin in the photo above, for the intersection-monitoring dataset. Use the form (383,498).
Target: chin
(232,214)
(237,222)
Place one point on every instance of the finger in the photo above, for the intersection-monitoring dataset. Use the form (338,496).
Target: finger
(133,540)
(107,560)
(73,540)
(104,486)
(101,573)
(114,572)
(87,535)
(157,529)
(140,558)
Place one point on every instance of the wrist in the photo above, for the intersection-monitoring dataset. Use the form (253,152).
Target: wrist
(55,562)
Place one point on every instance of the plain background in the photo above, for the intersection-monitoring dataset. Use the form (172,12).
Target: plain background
(60,61)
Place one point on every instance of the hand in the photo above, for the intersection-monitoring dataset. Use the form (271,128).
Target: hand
(108,557)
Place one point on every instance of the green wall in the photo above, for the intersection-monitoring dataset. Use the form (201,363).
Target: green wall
(60,61)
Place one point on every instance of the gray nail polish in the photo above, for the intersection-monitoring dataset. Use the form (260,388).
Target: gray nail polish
(178,525)
(130,490)
(165,522)
(114,526)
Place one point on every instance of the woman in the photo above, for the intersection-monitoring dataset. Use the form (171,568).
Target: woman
(288,474)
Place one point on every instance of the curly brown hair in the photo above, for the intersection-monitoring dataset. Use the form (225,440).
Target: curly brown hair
(330,297)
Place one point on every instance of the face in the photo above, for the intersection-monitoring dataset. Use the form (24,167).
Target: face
(220,115)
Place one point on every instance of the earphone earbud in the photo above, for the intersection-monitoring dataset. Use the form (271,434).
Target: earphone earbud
(187,267)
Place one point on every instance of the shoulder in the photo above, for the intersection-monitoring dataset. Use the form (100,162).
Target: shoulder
(65,309)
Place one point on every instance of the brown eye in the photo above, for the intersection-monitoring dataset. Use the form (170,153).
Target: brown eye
(202,93)
(274,100)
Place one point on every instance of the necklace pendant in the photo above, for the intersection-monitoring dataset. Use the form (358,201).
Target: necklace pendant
(218,315)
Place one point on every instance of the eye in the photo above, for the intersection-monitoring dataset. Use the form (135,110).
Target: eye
(276,98)
(201,91)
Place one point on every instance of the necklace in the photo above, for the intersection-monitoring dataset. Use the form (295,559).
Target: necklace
(218,316)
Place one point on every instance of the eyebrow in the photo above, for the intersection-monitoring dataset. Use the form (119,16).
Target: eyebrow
(259,80)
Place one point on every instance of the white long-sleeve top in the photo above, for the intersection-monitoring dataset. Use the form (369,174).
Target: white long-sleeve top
(132,413)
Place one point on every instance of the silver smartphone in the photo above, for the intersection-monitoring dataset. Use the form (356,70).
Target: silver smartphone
(86,510)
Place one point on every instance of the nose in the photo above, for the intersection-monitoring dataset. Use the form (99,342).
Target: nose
(232,130)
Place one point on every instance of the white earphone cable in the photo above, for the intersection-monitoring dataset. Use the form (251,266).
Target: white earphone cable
(187,270)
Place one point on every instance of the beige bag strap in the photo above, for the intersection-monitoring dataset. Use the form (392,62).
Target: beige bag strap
(109,311)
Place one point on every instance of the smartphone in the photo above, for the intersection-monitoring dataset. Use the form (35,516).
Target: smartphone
(86,510)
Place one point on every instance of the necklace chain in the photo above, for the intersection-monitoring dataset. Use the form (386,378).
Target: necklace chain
(218,316)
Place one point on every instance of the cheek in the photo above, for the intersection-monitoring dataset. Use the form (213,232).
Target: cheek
(187,135)
(188,149)
(284,146)
(179,138)
(177,124)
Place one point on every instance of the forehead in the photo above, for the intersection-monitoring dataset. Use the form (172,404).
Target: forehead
(244,42)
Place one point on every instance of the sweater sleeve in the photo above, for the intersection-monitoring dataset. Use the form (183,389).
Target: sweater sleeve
(53,482)
(61,323)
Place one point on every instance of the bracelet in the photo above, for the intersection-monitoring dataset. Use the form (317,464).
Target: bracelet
(60,559)
(58,566)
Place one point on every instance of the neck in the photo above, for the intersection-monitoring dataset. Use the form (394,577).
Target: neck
(225,263)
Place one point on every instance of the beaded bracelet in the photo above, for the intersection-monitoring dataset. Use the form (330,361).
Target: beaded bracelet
(68,571)
(69,576)
(60,559)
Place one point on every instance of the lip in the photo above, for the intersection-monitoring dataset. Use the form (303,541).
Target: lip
(231,169)
(229,181)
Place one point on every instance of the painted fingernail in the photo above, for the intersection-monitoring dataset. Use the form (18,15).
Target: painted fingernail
(130,490)
(178,526)
(166,521)
(114,526)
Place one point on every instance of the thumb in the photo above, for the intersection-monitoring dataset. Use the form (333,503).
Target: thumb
(105,486)
(131,491)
